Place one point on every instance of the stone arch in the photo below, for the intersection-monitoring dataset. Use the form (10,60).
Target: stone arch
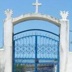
(34,16)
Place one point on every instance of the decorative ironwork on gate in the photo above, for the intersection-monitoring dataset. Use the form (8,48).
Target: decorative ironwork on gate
(36,46)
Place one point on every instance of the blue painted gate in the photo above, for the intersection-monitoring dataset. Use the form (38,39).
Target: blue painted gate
(35,50)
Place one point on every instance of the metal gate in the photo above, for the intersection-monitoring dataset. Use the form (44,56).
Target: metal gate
(35,50)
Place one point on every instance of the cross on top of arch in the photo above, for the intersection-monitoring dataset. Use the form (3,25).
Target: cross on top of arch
(37,4)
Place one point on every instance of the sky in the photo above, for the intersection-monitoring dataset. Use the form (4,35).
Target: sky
(49,7)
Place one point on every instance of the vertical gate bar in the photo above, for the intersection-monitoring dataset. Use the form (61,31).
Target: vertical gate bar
(58,65)
(13,55)
(59,54)
(35,53)
(12,50)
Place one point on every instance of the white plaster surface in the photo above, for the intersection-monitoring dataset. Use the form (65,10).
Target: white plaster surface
(8,31)
(64,45)
(69,63)
(1,59)
(1,54)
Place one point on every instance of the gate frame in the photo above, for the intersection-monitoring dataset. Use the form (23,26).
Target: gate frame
(9,23)
(36,36)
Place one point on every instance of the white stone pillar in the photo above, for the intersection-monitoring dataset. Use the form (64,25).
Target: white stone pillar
(64,41)
(8,30)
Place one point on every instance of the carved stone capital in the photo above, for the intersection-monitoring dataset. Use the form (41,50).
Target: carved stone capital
(8,13)
(64,14)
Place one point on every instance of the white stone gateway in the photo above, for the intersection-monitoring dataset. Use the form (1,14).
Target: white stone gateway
(9,22)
